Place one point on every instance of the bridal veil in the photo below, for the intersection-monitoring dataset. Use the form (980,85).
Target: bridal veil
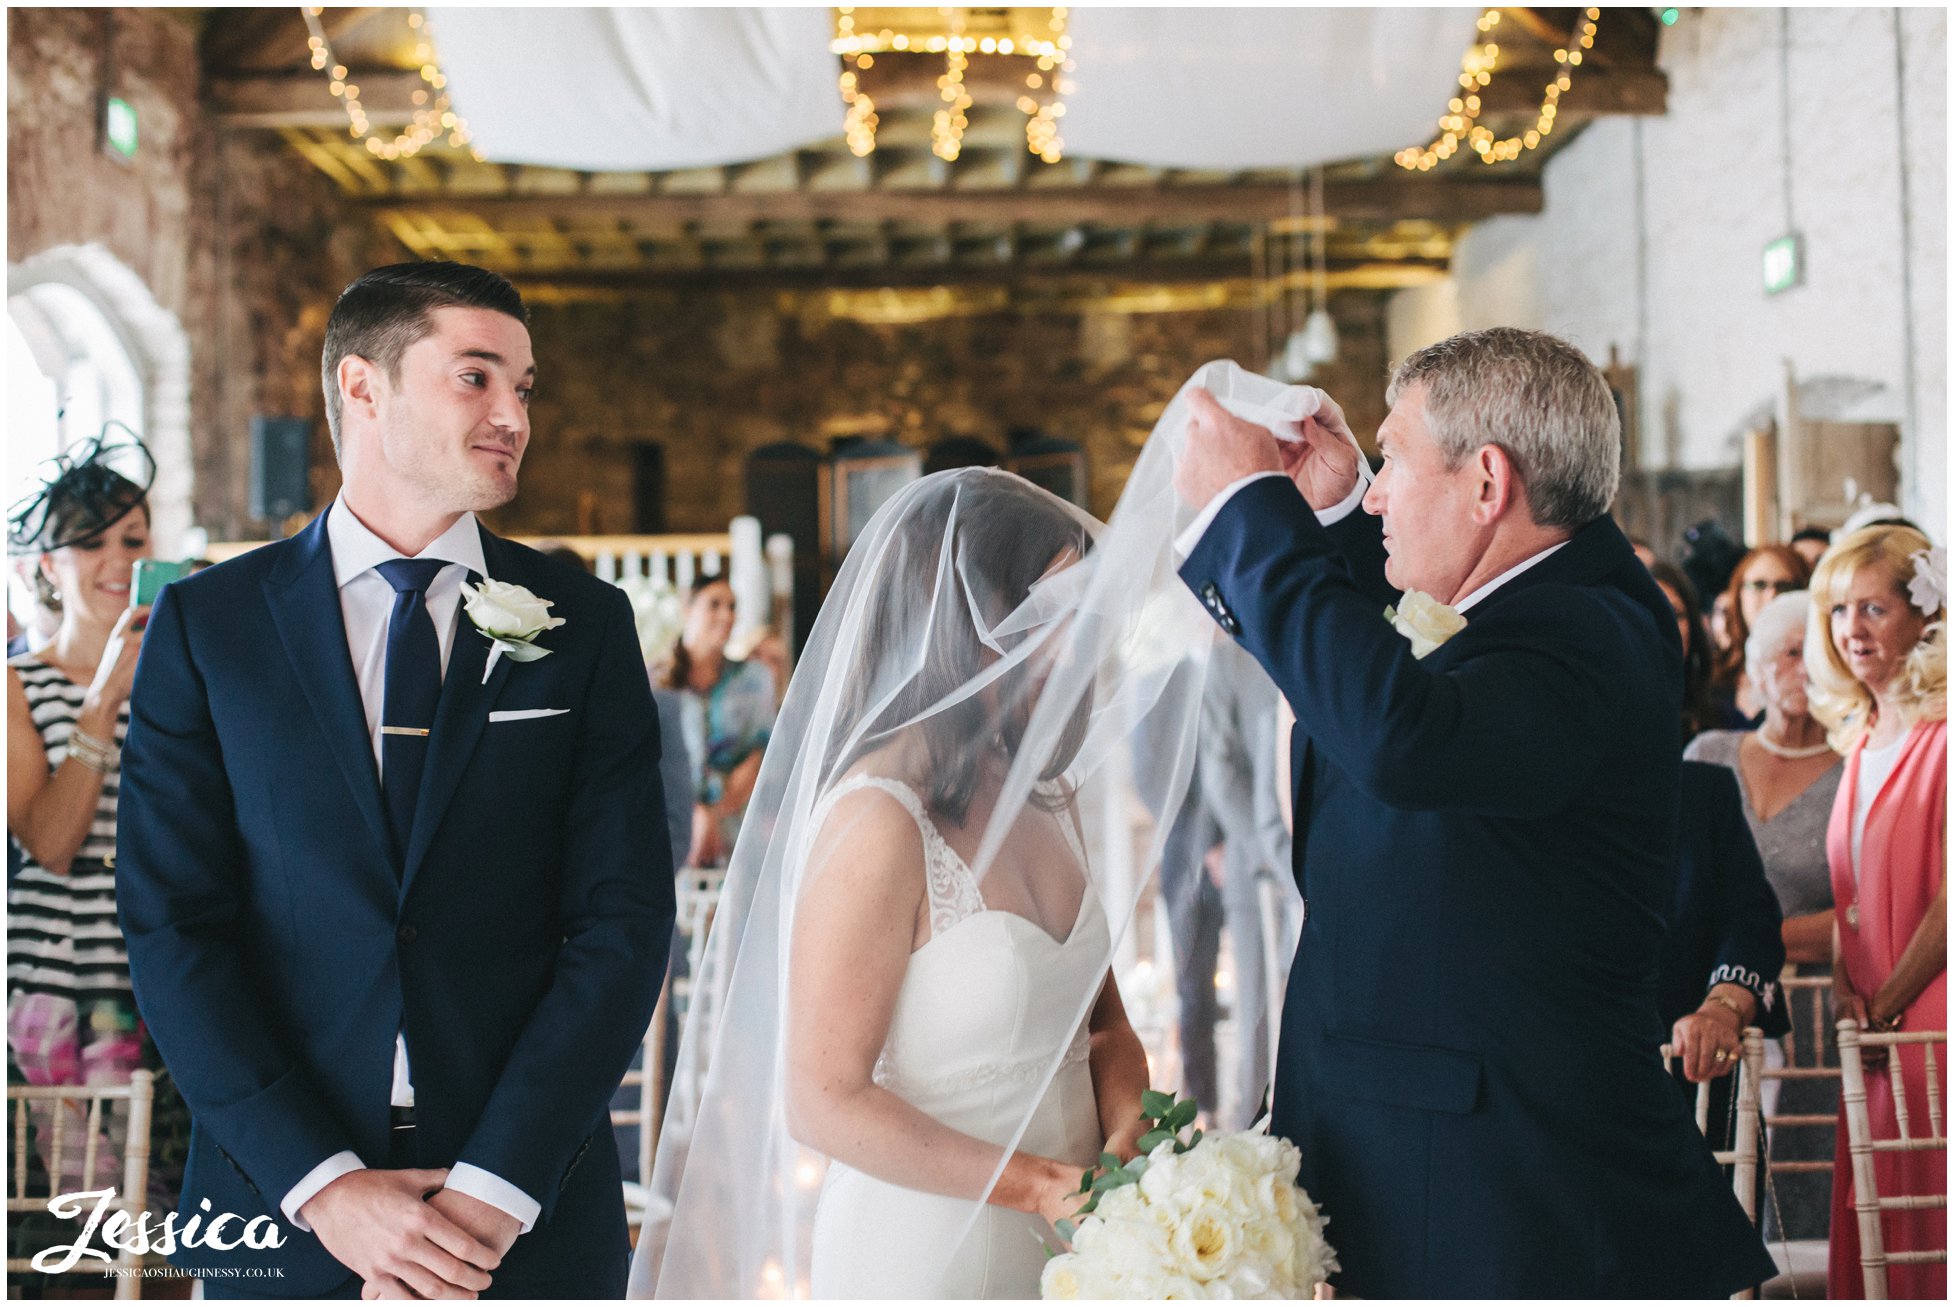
(977,622)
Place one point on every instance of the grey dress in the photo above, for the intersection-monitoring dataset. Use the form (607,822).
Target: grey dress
(1798,1206)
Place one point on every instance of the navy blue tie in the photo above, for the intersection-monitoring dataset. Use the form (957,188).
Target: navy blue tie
(413,692)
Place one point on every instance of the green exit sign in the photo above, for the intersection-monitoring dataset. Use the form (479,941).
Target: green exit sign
(119,127)
(1784,263)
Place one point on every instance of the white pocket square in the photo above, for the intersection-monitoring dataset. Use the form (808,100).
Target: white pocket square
(524,714)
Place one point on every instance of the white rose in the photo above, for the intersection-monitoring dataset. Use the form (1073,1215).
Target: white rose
(1424,621)
(508,612)
(1207,1241)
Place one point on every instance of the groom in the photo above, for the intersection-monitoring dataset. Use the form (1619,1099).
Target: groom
(398,903)
(1484,836)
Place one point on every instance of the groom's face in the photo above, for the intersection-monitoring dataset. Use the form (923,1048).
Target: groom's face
(454,426)
(1426,506)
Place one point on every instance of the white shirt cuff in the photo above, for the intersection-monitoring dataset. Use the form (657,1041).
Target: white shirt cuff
(341,1163)
(1185,542)
(1336,512)
(496,1192)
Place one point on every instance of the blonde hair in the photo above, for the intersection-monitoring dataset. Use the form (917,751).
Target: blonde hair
(1839,699)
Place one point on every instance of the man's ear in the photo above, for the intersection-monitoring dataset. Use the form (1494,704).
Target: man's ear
(1499,485)
(360,385)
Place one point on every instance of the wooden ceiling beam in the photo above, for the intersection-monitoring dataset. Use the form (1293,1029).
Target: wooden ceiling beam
(1372,275)
(1383,199)
(300,99)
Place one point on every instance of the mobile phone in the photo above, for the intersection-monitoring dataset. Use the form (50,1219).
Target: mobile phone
(151,575)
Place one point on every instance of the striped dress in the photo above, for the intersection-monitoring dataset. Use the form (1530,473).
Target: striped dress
(71,1012)
(62,937)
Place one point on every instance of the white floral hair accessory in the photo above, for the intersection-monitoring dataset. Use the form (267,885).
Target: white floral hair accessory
(1928,586)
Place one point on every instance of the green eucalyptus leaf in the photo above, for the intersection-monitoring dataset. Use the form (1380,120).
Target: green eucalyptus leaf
(1138,1167)
(1154,1139)
(1085,1183)
(1066,1231)
(1109,1161)
(1182,1115)
(1156,1104)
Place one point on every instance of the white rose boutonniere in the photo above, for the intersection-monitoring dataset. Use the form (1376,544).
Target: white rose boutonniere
(511,618)
(1424,621)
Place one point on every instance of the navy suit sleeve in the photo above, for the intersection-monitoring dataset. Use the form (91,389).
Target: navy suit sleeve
(1505,730)
(617,906)
(181,900)
(1751,949)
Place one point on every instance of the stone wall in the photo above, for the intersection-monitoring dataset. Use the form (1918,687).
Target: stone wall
(712,376)
(238,238)
(1829,122)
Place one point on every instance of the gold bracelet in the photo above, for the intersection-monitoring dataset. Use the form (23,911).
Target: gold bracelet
(1734,1009)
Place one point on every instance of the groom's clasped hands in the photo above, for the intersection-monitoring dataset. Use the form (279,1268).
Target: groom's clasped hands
(1222,448)
(407,1237)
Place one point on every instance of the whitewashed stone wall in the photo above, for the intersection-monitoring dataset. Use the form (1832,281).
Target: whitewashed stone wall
(1652,237)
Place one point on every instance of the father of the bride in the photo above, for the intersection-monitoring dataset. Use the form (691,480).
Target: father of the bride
(1485,834)
(393,866)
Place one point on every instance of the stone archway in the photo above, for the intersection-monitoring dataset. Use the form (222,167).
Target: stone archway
(160,350)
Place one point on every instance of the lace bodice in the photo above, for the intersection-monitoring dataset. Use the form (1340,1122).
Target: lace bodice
(953,891)
(991,997)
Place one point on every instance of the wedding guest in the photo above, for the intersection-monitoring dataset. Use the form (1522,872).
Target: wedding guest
(1760,576)
(1877,653)
(1699,708)
(1810,542)
(729,713)
(1788,776)
(71,1011)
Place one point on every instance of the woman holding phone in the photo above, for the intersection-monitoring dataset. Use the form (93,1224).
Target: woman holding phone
(71,1014)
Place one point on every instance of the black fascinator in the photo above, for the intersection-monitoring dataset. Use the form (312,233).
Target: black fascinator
(82,492)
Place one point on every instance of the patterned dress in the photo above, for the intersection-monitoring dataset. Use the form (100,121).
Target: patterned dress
(71,1011)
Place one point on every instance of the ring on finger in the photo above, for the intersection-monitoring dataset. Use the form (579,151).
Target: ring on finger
(1723,1055)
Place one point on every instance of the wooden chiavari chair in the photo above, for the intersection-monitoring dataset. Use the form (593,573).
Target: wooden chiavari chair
(90,1103)
(1869,1205)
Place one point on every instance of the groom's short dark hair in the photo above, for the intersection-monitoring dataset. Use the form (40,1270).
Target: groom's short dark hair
(387,310)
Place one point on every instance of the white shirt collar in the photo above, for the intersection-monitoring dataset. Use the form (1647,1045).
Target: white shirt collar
(355,549)
(1506,576)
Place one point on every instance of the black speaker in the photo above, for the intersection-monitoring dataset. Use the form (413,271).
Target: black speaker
(281,467)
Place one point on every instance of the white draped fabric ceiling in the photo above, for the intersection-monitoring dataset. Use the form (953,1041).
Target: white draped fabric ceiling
(657,89)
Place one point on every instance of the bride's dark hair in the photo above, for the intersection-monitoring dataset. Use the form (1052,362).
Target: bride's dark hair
(1004,534)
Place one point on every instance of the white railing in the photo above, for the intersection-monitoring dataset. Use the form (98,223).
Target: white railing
(761,574)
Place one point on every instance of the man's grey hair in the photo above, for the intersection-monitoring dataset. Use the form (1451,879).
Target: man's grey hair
(1537,398)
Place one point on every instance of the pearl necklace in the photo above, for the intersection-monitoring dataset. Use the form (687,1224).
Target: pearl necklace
(1772,747)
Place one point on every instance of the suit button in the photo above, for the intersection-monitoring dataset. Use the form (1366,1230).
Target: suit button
(406,933)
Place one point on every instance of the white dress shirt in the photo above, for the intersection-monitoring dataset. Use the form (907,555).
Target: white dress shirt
(366,601)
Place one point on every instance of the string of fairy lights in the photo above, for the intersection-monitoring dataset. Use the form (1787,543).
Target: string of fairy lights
(1460,122)
(1042,100)
(434,114)
(1042,103)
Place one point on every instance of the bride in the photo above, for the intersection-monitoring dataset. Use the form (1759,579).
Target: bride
(906,1045)
(925,1004)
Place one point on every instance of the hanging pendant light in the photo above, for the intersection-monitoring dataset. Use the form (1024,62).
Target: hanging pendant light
(1319,333)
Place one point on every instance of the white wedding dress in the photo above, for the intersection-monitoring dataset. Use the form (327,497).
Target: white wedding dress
(976,1025)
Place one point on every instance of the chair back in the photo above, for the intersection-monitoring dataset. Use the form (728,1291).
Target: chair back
(698,899)
(59,1113)
(1868,1204)
(1743,1156)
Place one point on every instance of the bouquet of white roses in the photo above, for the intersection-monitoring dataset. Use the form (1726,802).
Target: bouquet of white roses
(1214,1217)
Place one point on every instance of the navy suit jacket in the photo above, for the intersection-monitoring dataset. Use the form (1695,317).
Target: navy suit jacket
(1486,848)
(276,952)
